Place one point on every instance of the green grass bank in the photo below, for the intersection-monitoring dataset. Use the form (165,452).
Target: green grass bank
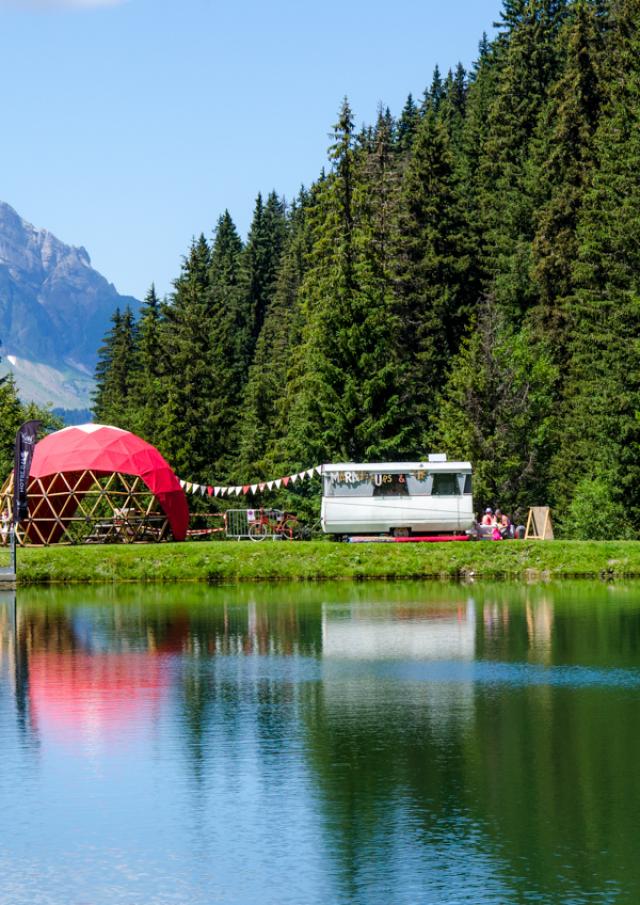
(226,561)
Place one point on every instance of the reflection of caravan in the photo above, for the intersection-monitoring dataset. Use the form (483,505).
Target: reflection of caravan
(399,498)
(381,635)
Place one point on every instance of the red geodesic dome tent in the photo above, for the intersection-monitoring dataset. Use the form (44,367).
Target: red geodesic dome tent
(68,463)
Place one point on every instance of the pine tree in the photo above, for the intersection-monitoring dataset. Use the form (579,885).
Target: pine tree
(527,65)
(600,424)
(563,160)
(148,396)
(498,411)
(263,423)
(407,124)
(116,372)
(433,276)
(232,319)
(184,437)
(454,106)
(344,398)
(262,255)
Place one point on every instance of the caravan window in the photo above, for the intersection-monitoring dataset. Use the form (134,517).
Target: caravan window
(348,483)
(445,485)
(390,485)
(419,483)
(467,484)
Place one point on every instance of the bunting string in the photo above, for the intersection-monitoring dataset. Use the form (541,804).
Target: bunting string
(253,489)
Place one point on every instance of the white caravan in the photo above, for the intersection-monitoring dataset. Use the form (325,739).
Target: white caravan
(400,498)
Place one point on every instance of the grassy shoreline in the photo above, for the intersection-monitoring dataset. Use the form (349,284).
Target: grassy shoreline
(228,562)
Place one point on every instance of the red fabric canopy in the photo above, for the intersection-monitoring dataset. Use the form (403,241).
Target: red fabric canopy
(104,450)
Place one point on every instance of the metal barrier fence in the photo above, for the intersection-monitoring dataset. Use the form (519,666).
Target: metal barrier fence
(238,521)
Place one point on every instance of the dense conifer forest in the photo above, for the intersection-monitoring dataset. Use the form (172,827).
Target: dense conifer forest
(464,277)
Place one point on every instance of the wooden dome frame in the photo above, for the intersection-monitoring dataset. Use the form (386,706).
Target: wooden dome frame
(88,507)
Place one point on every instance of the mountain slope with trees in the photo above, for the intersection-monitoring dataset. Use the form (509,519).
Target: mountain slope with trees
(463,277)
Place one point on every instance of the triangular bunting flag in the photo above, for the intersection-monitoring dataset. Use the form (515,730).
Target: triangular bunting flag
(254,487)
(183,484)
(188,487)
(203,490)
(270,484)
(261,487)
(309,472)
(278,483)
(301,475)
(285,481)
(293,478)
(245,488)
(319,469)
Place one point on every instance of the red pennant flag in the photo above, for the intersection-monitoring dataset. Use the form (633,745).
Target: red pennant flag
(210,491)
(285,481)
(246,488)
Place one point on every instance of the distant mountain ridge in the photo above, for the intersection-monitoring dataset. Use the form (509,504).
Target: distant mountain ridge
(54,307)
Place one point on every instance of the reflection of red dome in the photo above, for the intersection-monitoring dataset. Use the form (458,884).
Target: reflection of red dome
(106,450)
(78,696)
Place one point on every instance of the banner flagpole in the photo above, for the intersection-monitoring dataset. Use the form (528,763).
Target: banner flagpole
(26,439)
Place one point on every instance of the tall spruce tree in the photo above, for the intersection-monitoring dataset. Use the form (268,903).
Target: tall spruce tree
(184,435)
(148,395)
(231,342)
(350,330)
(563,160)
(116,372)
(528,63)
(263,417)
(498,411)
(434,282)
(262,254)
(600,438)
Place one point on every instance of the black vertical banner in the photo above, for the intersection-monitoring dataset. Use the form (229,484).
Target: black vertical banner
(25,443)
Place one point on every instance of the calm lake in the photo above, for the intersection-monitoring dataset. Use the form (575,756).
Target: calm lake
(366,744)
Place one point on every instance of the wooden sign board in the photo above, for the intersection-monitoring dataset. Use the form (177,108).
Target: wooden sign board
(539,525)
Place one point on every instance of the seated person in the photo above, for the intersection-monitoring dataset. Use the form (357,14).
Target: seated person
(504,524)
(488,517)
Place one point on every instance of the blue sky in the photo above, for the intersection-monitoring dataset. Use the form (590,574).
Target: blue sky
(130,125)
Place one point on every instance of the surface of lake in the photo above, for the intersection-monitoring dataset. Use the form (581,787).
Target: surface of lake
(296,745)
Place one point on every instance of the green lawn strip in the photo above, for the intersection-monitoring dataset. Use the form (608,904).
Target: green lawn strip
(220,561)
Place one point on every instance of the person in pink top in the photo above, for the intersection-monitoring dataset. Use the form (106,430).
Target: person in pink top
(488,517)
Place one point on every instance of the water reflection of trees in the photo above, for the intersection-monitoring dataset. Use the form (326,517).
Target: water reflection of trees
(532,775)
(546,773)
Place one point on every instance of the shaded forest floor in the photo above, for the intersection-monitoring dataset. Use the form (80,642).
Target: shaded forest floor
(228,562)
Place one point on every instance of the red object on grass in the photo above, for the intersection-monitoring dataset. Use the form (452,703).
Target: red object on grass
(105,450)
(431,539)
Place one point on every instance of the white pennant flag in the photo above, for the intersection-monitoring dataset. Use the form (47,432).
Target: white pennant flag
(216,491)
(301,475)
(254,487)
(203,490)
(238,491)
(319,469)
(278,483)
(270,485)
(309,472)
(293,478)
(183,484)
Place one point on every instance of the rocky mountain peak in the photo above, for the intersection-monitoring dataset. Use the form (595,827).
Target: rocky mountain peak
(54,307)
